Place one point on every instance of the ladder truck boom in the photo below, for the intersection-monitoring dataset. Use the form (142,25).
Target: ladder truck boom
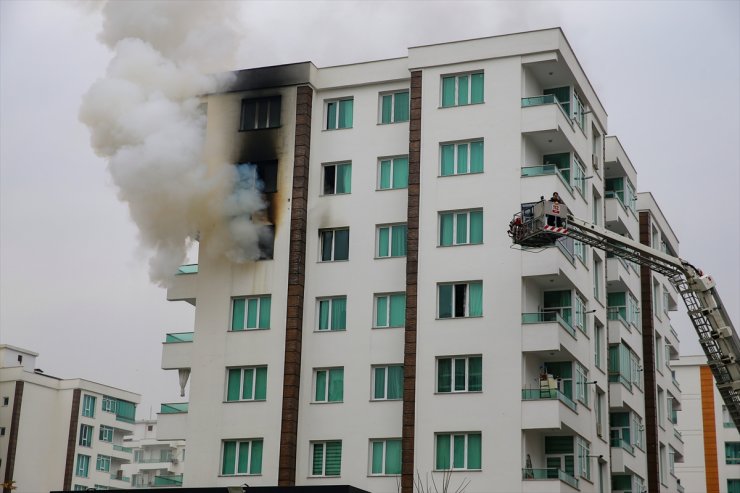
(541,224)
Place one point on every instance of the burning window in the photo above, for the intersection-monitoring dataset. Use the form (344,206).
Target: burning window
(267,174)
(260,113)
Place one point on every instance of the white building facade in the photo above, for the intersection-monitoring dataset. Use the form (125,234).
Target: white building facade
(391,328)
(156,463)
(61,433)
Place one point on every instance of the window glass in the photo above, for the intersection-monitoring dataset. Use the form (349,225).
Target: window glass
(337,179)
(339,114)
(391,241)
(461,158)
(463,89)
(386,457)
(332,313)
(458,451)
(393,173)
(460,227)
(334,244)
(329,385)
(260,113)
(460,300)
(246,384)
(251,313)
(241,457)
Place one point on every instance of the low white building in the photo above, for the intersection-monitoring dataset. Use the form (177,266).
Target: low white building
(155,462)
(60,433)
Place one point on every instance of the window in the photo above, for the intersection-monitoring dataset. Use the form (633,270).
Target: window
(659,351)
(460,374)
(460,300)
(581,322)
(387,383)
(582,390)
(596,209)
(241,457)
(562,372)
(88,406)
(599,413)
(583,449)
(385,457)
(732,452)
(461,158)
(246,384)
(559,302)
(637,430)
(661,407)
(109,404)
(334,244)
(559,455)
(579,176)
(105,434)
(329,385)
(260,113)
(390,310)
(6,401)
(598,345)
(2,431)
(327,458)
(391,241)
(251,313)
(733,486)
(458,451)
(103,463)
(86,435)
(666,300)
(461,227)
(462,89)
(579,250)
(333,314)
(83,465)
(337,178)
(393,173)
(394,107)
(597,278)
(79,487)
(339,114)
(661,454)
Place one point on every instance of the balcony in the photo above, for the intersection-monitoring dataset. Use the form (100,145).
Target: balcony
(553,269)
(171,481)
(551,410)
(172,421)
(619,275)
(625,459)
(121,478)
(547,480)
(174,408)
(184,283)
(546,170)
(546,123)
(537,394)
(120,453)
(177,351)
(617,216)
(623,444)
(547,332)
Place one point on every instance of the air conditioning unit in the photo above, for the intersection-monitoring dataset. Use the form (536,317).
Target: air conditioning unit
(595,161)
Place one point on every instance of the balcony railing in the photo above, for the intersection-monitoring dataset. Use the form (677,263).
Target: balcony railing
(121,448)
(548,317)
(180,337)
(547,394)
(622,443)
(728,425)
(174,408)
(174,480)
(529,474)
(614,313)
(187,269)
(679,488)
(546,169)
(675,334)
(678,435)
(120,478)
(544,99)
(153,460)
(618,376)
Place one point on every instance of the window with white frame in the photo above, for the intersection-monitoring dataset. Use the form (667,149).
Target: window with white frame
(241,457)
(337,178)
(332,314)
(459,300)
(251,312)
(393,173)
(109,404)
(103,463)
(460,374)
(581,320)
(328,384)
(461,158)
(83,465)
(458,451)
(462,89)
(582,390)
(260,113)
(462,227)
(579,176)
(390,310)
(597,278)
(393,107)
(598,345)
(326,458)
(105,434)
(579,250)
(334,244)
(88,406)
(246,384)
(339,114)
(583,449)
(86,435)
(387,382)
(637,430)
(391,240)
(385,457)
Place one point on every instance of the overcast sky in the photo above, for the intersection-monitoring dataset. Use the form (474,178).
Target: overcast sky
(73,282)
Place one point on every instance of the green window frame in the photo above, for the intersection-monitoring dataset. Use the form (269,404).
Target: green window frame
(242,457)
(461,227)
(391,240)
(109,404)
(332,314)
(461,158)
(259,113)
(458,451)
(387,383)
(86,435)
(394,107)
(460,300)
(385,457)
(83,465)
(88,406)
(390,310)
(732,452)
(251,313)
(334,244)
(247,383)
(462,89)
(102,463)
(326,458)
(339,113)
(337,178)
(105,434)
(328,384)
(460,374)
(393,173)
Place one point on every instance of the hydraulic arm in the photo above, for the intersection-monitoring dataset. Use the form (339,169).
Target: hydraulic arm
(540,224)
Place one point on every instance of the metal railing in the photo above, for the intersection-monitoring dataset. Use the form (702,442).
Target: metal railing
(530,474)
(187,269)
(613,313)
(548,394)
(544,170)
(179,337)
(548,317)
(618,376)
(174,408)
(622,443)
(542,100)
(153,460)
(121,448)
(120,478)
(174,480)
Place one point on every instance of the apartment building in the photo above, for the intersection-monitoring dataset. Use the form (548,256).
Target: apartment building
(60,433)
(391,330)
(155,462)
(712,458)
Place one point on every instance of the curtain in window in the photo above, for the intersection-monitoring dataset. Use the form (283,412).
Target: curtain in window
(320,386)
(476,157)
(448,159)
(344,178)
(445,300)
(385,174)
(461,236)
(338,313)
(324,314)
(264,320)
(443,452)
(248,383)
(393,457)
(379,392)
(474,447)
(398,241)
(733,486)
(446,228)
(444,375)
(475,377)
(398,310)
(476,227)
(125,411)
(460,374)
(462,158)
(333,458)
(341,244)
(243,461)
(475,297)
(401,107)
(255,465)
(327,239)
(462,90)
(252,311)
(383,234)
(260,389)
(318,459)
(229,458)
(476,89)
(336,384)
(395,382)
(448,91)
(331,115)
(400,172)
(237,317)
(381,311)
(233,385)
(345,113)
(377,466)
(458,461)
(386,111)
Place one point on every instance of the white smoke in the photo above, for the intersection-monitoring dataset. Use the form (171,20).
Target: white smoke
(146,117)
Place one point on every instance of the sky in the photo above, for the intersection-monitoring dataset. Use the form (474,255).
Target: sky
(74,283)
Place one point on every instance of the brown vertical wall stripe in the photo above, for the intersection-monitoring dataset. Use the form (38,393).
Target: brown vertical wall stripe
(412,260)
(74,420)
(15,421)
(648,364)
(711,460)
(296,283)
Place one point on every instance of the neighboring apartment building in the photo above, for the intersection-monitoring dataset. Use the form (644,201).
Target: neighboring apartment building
(60,433)
(712,441)
(155,462)
(391,328)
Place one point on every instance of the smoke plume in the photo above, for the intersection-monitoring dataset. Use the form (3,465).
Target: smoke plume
(146,117)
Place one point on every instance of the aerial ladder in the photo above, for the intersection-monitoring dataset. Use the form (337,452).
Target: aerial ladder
(541,224)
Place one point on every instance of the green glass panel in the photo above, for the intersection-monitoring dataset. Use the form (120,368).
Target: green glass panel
(248,384)
(444,375)
(345,113)
(442,461)
(255,465)
(233,385)
(475,299)
(476,89)
(331,115)
(476,227)
(339,314)
(476,156)
(461,236)
(336,385)
(570,465)
(318,459)
(260,389)
(398,310)
(383,240)
(400,172)
(243,462)
(265,305)
(237,317)
(559,445)
(474,461)
(616,299)
(446,229)
(458,461)
(381,311)
(401,107)
(324,314)
(327,239)
(395,382)
(475,374)
(320,386)
(252,310)
(341,244)
(445,300)
(385,174)
(398,241)
(379,383)
(448,159)
(229,458)
(333,458)
(344,178)
(448,91)
(462,158)
(393,456)
(460,374)
(462,90)
(377,467)
(386,111)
